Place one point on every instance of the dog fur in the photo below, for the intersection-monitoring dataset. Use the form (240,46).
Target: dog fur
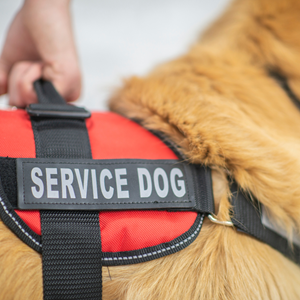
(220,105)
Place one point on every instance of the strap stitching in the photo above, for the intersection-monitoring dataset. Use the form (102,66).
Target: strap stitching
(18,224)
(112,203)
(157,251)
(110,258)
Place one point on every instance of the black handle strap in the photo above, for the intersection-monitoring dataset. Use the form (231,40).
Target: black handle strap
(52,105)
(71,243)
(46,92)
(56,136)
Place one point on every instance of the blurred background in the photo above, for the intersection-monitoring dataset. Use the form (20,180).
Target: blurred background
(119,38)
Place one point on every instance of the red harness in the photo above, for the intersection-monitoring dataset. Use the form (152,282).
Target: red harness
(111,137)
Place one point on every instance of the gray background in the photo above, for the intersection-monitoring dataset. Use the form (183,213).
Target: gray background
(119,38)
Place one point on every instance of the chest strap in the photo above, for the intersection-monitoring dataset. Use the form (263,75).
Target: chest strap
(71,243)
(247,217)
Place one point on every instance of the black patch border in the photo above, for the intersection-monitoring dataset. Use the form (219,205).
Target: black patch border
(188,203)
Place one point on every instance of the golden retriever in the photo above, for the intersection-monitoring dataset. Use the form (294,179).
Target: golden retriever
(223,107)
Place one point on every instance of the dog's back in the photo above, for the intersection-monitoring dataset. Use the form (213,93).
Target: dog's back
(224,104)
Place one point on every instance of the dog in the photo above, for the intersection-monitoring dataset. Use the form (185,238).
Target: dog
(226,104)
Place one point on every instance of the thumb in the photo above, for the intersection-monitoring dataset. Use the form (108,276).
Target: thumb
(21,79)
(65,77)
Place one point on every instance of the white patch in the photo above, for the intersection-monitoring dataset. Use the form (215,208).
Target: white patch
(274,227)
(121,181)
(177,192)
(162,193)
(50,182)
(35,172)
(94,184)
(144,173)
(106,194)
(67,178)
(82,186)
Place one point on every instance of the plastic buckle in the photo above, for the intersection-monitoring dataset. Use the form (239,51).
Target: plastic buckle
(63,111)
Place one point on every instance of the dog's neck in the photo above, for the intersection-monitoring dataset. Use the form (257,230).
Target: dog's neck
(220,104)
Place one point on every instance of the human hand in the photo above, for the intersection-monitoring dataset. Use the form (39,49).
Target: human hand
(40,43)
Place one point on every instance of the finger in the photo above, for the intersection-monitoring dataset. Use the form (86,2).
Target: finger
(70,90)
(3,77)
(20,85)
(66,78)
(14,80)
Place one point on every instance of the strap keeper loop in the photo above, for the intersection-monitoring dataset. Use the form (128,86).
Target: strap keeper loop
(63,111)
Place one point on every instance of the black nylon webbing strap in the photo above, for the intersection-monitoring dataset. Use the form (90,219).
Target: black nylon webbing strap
(205,198)
(247,218)
(46,93)
(71,255)
(60,138)
(71,243)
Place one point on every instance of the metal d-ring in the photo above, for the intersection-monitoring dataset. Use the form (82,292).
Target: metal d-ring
(224,223)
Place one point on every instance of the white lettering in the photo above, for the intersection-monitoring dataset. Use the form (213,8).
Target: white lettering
(106,194)
(144,173)
(94,184)
(82,187)
(162,193)
(177,192)
(121,181)
(34,173)
(50,182)
(67,182)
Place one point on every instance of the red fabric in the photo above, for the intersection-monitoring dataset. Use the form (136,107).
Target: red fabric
(131,230)
(113,137)
(16,134)
(31,218)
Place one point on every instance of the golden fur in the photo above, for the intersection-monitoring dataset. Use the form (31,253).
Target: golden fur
(221,106)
